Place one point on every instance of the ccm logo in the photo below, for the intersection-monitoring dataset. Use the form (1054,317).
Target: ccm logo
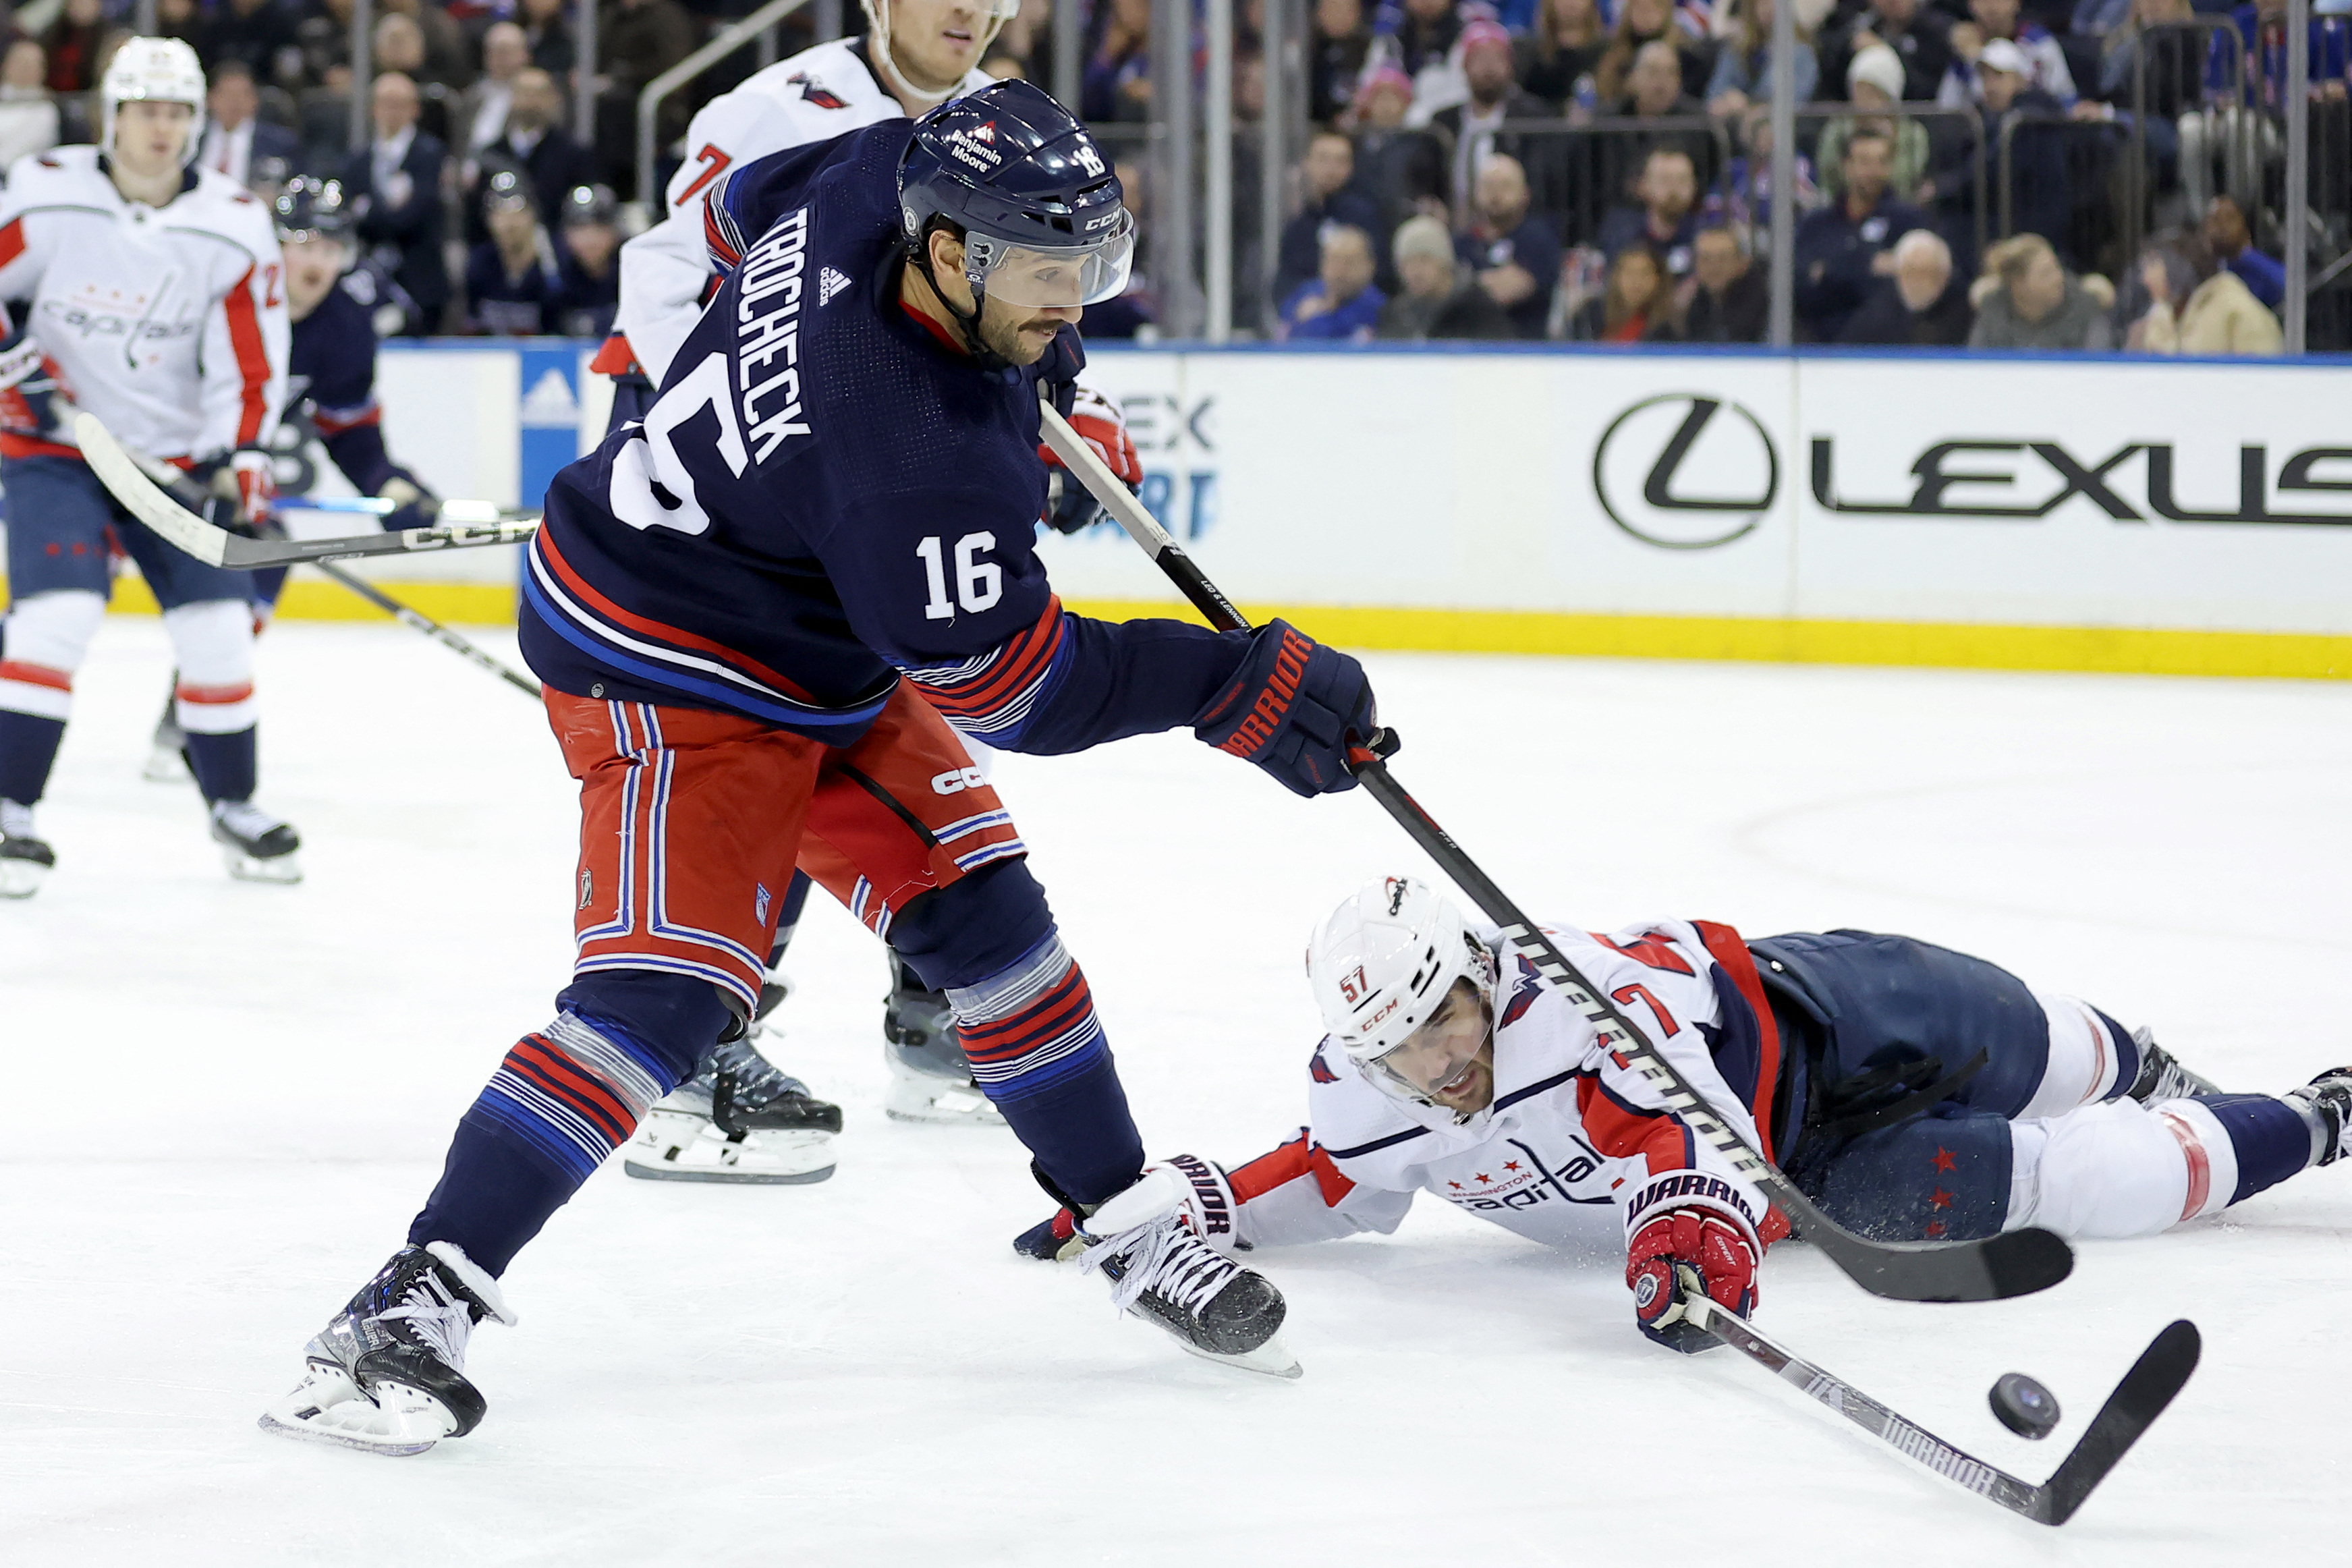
(958,780)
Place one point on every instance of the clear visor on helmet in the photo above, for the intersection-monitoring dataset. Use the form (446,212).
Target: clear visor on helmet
(1438,1055)
(1037,280)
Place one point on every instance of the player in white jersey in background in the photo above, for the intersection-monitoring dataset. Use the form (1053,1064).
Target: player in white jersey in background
(916,55)
(1914,1092)
(150,293)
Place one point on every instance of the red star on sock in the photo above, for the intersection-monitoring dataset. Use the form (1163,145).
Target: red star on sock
(1942,1199)
(1935,1227)
(1944,1159)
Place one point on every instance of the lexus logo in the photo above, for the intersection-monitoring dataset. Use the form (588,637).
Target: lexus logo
(1685,471)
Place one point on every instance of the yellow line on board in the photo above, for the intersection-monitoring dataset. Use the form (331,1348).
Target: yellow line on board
(315,599)
(1938,644)
(1941,645)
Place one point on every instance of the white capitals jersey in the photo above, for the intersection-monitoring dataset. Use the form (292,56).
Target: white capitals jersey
(1576,1149)
(168,323)
(815,96)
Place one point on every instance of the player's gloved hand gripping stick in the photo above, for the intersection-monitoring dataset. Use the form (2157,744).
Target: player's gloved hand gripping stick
(2014,1263)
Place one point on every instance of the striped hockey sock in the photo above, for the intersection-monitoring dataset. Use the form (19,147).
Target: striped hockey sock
(561,1101)
(1039,1053)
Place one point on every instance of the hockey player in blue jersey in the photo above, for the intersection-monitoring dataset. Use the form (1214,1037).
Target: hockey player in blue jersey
(733,604)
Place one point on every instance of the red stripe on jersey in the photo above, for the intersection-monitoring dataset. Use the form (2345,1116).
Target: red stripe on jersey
(14,446)
(614,357)
(604,607)
(333,421)
(1651,950)
(1299,1157)
(2200,1164)
(1723,945)
(252,358)
(12,241)
(187,691)
(1018,663)
(36,675)
(1621,1132)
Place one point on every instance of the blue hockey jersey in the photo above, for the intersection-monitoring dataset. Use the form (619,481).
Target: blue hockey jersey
(828,492)
(331,379)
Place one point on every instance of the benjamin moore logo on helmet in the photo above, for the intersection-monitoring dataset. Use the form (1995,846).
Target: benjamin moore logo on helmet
(1398,887)
(1645,447)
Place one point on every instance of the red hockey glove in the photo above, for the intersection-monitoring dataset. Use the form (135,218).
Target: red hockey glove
(1069,505)
(245,479)
(1681,1253)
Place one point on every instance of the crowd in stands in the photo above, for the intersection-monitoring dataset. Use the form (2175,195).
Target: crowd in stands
(1595,170)
(477,202)
(1603,168)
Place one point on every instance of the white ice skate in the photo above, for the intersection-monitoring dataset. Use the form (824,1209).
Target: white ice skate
(257,847)
(930,1078)
(24,861)
(387,1375)
(739,1120)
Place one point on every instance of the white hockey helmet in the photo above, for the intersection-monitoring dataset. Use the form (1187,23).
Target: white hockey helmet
(1382,961)
(159,70)
(993,15)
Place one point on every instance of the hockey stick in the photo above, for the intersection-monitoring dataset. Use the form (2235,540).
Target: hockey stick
(2013,1263)
(218,547)
(377,506)
(2158,1375)
(178,487)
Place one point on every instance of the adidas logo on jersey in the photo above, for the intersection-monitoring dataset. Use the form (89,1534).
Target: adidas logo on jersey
(829,283)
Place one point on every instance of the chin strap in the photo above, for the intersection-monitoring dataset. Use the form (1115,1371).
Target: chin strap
(967,321)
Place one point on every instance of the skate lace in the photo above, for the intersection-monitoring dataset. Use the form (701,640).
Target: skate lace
(1162,1258)
(437,1317)
(243,819)
(758,1080)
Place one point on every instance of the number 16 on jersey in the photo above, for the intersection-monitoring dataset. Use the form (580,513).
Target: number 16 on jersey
(977,584)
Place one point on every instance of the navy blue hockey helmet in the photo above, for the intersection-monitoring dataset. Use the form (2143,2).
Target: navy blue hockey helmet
(1037,201)
(311,208)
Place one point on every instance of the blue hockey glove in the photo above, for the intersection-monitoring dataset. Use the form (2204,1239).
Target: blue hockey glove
(1292,708)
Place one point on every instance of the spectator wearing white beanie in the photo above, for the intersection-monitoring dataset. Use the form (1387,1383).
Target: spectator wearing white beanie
(1873,83)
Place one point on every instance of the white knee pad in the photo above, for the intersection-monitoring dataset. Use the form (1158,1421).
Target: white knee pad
(213,643)
(2118,1170)
(2085,1060)
(48,636)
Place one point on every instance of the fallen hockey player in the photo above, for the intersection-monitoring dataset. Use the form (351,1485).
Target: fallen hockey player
(1912,1093)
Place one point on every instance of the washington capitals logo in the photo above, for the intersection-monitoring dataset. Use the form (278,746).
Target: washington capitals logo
(1524,992)
(816,93)
(1320,1072)
(759,904)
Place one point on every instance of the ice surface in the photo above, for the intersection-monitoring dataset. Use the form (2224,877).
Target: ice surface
(229,1099)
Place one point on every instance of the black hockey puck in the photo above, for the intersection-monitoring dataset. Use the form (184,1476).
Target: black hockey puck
(2025,1406)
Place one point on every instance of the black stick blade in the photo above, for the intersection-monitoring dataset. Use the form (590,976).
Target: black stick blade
(1993,1269)
(2159,1374)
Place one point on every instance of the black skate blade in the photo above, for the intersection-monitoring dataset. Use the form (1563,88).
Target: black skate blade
(2161,1372)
